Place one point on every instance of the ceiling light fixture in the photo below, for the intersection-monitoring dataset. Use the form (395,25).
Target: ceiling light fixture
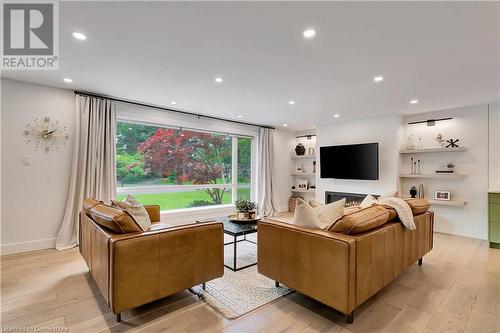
(309,33)
(291,102)
(336,116)
(173,102)
(285,125)
(218,79)
(414,101)
(379,78)
(78,35)
(67,80)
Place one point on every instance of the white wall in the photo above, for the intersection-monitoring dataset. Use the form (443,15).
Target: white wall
(33,197)
(494,147)
(386,130)
(284,145)
(470,125)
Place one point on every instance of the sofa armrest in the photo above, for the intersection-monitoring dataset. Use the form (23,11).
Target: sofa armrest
(154,212)
(154,264)
(318,263)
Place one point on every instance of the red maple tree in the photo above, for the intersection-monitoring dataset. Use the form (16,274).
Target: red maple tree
(190,156)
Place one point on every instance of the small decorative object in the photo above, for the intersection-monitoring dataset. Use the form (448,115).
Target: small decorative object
(413,192)
(421,191)
(442,195)
(446,169)
(300,167)
(409,143)
(312,187)
(302,184)
(300,149)
(314,166)
(420,143)
(411,166)
(440,139)
(293,187)
(452,143)
(47,135)
(245,208)
(418,167)
(311,151)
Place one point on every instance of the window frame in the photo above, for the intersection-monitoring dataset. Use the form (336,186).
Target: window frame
(233,186)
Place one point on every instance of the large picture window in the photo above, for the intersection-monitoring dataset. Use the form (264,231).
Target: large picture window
(179,169)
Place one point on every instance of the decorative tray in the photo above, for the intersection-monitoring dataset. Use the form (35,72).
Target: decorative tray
(234,219)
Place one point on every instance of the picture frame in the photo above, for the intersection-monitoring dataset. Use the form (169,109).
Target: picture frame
(442,195)
(302,184)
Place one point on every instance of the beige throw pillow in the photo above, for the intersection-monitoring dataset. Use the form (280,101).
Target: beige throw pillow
(305,215)
(136,210)
(330,213)
(368,201)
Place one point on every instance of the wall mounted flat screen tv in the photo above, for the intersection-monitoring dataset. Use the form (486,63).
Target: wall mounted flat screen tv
(358,161)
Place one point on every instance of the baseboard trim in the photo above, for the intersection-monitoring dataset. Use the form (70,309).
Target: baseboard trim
(39,244)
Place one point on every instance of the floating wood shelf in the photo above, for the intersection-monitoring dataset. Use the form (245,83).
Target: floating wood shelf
(304,191)
(431,150)
(456,203)
(304,156)
(432,175)
(304,174)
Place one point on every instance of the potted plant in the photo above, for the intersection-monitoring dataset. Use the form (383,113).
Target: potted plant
(245,208)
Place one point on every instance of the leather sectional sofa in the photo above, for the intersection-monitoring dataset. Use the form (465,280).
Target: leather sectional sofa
(344,269)
(135,268)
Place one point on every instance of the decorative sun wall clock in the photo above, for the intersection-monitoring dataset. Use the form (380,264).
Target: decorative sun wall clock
(46,134)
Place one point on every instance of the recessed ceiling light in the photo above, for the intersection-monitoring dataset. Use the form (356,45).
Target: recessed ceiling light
(291,102)
(79,35)
(379,78)
(218,79)
(67,80)
(414,101)
(285,125)
(309,33)
(173,102)
(240,116)
(336,116)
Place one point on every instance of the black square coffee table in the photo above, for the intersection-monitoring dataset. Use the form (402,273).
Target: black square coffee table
(236,230)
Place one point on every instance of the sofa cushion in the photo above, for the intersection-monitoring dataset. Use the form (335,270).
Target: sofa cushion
(361,221)
(328,214)
(418,206)
(368,201)
(305,215)
(136,210)
(110,217)
(392,212)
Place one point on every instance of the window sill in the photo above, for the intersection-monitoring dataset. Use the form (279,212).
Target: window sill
(198,212)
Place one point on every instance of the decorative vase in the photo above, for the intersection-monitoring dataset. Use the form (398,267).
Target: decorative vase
(251,215)
(300,149)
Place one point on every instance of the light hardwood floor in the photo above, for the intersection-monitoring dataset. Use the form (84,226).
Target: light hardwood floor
(456,290)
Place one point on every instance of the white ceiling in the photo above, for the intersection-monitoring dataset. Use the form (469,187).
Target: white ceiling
(445,54)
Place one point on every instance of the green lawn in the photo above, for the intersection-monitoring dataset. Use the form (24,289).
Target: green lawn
(177,200)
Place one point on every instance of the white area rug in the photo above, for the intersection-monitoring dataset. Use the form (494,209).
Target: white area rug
(237,293)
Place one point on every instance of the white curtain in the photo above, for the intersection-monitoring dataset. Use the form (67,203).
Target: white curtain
(267,187)
(93,173)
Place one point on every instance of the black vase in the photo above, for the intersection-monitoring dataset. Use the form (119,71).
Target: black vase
(300,149)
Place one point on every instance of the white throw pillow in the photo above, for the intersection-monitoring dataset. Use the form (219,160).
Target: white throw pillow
(368,201)
(136,210)
(315,203)
(305,215)
(330,213)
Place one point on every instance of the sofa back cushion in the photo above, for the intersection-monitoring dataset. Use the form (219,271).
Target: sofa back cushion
(110,217)
(418,206)
(361,221)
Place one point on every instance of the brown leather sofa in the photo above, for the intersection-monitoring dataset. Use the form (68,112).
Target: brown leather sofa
(341,270)
(136,268)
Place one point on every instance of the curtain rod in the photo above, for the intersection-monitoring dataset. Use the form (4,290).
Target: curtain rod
(186,113)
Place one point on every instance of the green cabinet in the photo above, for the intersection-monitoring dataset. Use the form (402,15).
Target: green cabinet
(494,219)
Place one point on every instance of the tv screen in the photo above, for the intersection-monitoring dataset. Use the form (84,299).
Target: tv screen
(350,161)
